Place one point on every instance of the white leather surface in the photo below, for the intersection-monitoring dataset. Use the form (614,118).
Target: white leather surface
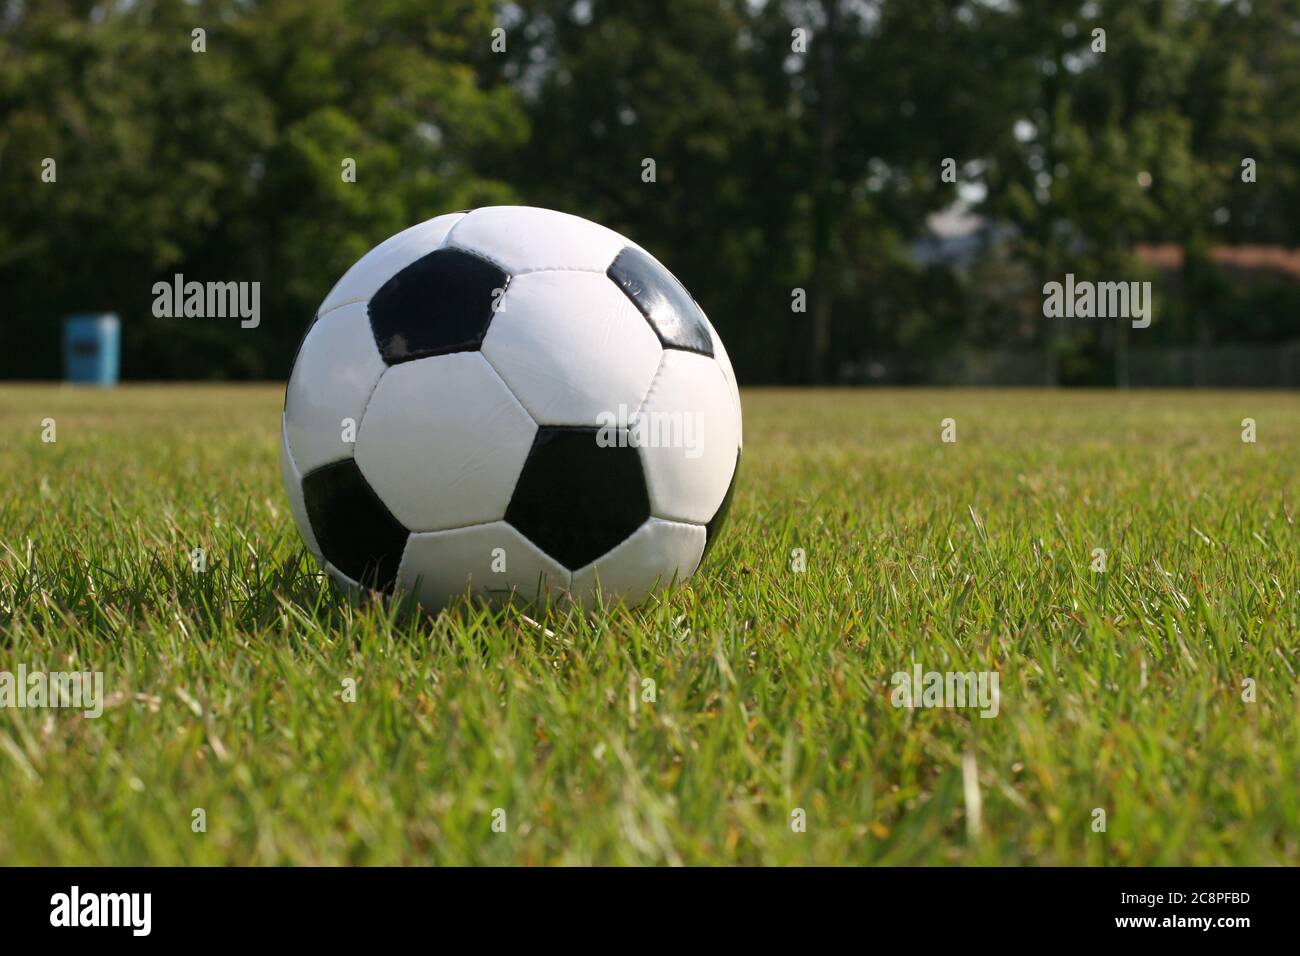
(682,487)
(337,368)
(571,345)
(645,563)
(440,566)
(443,441)
(527,239)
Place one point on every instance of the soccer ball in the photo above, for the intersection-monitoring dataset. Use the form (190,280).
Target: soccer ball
(513,402)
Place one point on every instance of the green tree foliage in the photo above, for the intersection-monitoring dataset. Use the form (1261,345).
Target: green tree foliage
(797,145)
(227,164)
(783,161)
(1142,140)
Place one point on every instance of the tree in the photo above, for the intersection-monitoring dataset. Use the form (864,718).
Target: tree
(227,164)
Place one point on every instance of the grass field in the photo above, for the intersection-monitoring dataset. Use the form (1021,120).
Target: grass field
(1120,691)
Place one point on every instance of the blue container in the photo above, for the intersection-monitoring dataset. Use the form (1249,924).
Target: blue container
(92,349)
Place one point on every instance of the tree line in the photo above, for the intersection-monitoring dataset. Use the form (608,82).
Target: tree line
(782,158)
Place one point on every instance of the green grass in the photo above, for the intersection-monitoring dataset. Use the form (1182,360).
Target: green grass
(1120,691)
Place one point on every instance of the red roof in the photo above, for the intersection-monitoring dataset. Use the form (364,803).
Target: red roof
(1273,258)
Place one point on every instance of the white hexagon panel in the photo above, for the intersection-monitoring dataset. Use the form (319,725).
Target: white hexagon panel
(443,441)
(492,560)
(335,372)
(656,555)
(691,438)
(523,239)
(572,347)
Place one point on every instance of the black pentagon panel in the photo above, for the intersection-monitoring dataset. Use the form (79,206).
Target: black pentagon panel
(664,301)
(576,499)
(356,533)
(440,303)
(720,517)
